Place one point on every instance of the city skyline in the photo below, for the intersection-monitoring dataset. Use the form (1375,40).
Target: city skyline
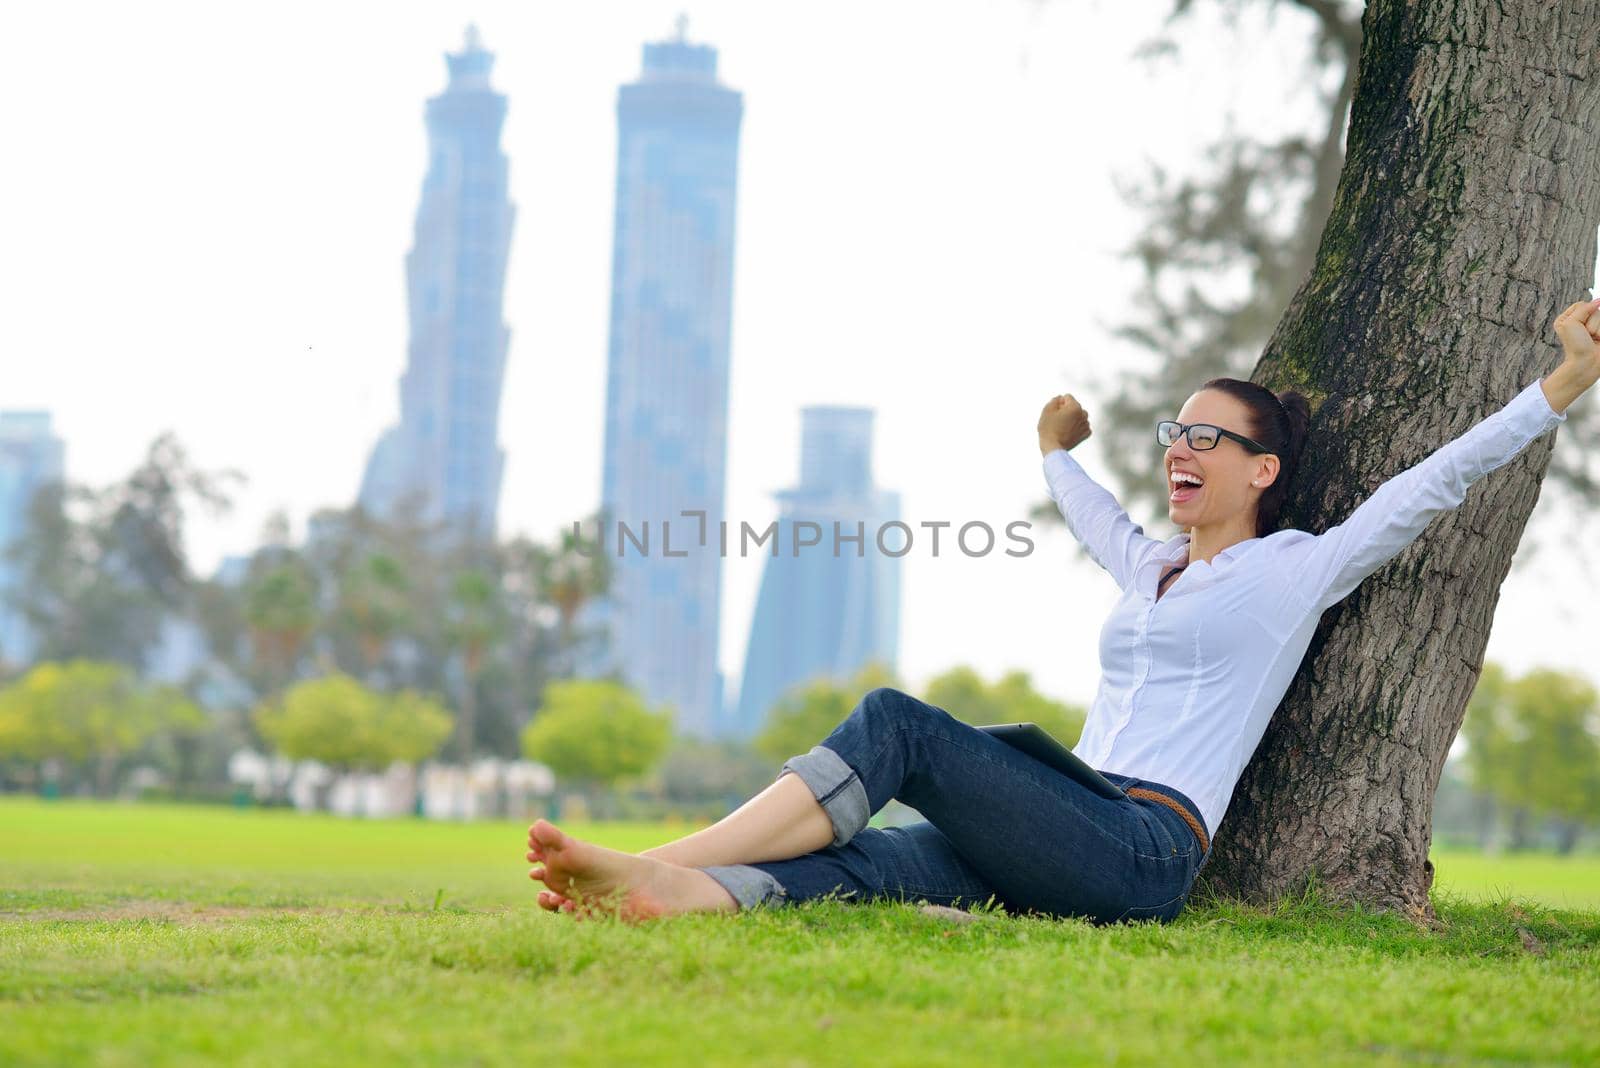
(443,459)
(31,457)
(825,614)
(667,368)
(929,226)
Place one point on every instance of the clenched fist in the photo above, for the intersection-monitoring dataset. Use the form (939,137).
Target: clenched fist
(1062,424)
(1578,328)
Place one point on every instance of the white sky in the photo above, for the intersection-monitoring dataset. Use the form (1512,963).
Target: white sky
(208,206)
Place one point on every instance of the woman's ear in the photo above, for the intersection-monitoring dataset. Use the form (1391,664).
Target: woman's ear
(1266,472)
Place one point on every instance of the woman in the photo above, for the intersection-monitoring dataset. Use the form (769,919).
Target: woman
(1208,634)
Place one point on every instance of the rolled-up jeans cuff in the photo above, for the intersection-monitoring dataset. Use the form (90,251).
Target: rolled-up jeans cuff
(751,887)
(837,789)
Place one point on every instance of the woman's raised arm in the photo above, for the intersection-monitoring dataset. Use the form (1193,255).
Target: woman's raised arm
(1328,567)
(1114,541)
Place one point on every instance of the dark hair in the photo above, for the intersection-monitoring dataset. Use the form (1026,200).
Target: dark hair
(1279,421)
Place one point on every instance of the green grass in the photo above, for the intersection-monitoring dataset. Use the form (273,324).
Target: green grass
(1562,882)
(165,935)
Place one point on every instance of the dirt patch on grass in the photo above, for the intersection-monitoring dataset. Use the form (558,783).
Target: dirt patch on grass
(170,911)
(189,912)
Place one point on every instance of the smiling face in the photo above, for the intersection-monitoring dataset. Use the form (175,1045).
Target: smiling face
(1226,495)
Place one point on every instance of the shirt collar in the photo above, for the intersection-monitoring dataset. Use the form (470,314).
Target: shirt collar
(1177,548)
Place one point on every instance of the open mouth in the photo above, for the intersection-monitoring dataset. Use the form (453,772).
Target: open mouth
(1182,488)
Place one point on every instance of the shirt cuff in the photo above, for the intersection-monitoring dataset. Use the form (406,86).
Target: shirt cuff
(1059,470)
(1533,405)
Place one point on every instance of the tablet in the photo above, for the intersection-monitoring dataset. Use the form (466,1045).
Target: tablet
(1037,743)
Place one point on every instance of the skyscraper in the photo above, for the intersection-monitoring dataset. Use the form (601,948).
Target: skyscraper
(822,613)
(667,378)
(31,457)
(443,458)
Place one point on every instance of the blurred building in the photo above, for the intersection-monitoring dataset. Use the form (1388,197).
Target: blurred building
(443,460)
(516,788)
(667,379)
(825,609)
(31,456)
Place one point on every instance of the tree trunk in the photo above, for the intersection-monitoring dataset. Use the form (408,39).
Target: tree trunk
(1464,222)
(105,770)
(322,793)
(467,729)
(1522,838)
(1486,817)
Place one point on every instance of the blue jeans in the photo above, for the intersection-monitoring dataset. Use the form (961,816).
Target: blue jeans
(999,825)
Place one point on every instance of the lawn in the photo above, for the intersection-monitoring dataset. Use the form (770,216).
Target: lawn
(167,935)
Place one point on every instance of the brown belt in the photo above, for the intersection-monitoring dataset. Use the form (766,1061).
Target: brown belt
(1195,825)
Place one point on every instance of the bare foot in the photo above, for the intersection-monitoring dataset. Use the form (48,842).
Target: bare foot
(593,879)
(549,900)
(552,902)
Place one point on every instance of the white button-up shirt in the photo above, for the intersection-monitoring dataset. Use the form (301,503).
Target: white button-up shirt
(1189,680)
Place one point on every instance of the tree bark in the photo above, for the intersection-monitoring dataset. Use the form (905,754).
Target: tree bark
(1463,223)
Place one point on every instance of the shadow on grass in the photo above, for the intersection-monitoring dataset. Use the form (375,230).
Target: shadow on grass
(1472,927)
(1506,928)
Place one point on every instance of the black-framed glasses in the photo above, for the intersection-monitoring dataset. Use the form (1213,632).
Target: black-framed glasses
(1202,436)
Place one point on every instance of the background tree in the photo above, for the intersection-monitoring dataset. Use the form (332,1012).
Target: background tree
(809,712)
(568,574)
(1534,743)
(337,721)
(1454,239)
(1224,249)
(383,583)
(372,607)
(398,604)
(1485,727)
(72,607)
(469,609)
(1558,716)
(412,727)
(477,619)
(711,776)
(88,713)
(596,733)
(143,520)
(99,571)
(332,720)
(963,693)
(217,608)
(280,607)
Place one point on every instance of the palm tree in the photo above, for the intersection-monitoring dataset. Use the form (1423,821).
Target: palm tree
(476,620)
(280,609)
(568,577)
(373,595)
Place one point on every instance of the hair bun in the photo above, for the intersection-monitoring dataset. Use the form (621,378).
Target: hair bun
(1295,403)
(1298,408)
